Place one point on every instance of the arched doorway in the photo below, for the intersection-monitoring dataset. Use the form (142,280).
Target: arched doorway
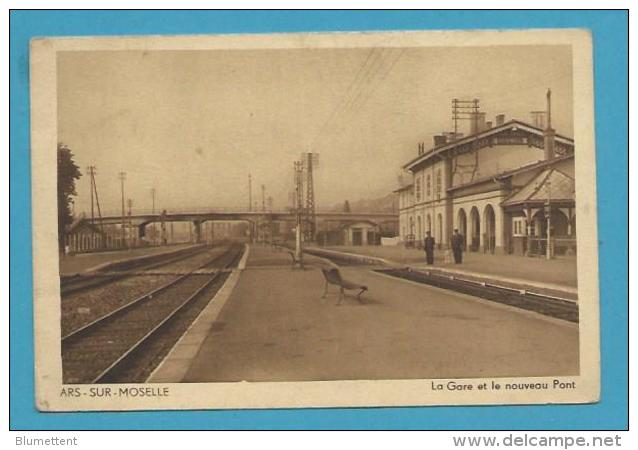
(475,229)
(419,230)
(559,224)
(462,226)
(560,232)
(490,229)
(428,224)
(439,230)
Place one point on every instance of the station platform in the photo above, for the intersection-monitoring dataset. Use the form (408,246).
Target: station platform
(87,262)
(558,274)
(275,326)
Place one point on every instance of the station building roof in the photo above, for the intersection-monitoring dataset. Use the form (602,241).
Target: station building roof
(404,188)
(514,124)
(504,175)
(549,185)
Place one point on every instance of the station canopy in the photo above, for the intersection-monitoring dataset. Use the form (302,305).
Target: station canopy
(550,184)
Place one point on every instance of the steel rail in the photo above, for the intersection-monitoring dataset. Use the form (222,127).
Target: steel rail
(81,283)
(147,296)
(109,375)
(92,331)
(549,305)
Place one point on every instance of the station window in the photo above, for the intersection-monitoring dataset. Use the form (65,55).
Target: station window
(438,184)
(518,226)
(428,189)
(417,188)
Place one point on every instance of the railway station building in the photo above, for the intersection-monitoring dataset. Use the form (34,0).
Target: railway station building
(501,186)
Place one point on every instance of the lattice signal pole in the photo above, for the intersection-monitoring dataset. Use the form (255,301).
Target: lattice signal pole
(298,211)
(548,253)
(311,161)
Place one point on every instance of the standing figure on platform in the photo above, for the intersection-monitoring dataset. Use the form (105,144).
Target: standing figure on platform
(457,246)
(428,246)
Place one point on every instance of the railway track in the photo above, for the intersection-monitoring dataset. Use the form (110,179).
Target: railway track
(109,349)
(556,307)
(80,283)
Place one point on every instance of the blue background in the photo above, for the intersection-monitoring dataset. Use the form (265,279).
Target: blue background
(610,35)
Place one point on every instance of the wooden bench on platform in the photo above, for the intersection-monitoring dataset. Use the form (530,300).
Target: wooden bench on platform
(333,276)
(295,262)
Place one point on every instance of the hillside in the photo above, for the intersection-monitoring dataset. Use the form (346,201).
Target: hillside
(389,203)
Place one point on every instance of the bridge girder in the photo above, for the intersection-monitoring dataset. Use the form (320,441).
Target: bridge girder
(142,220)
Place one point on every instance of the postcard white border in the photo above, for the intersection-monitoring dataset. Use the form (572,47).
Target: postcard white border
(48,368)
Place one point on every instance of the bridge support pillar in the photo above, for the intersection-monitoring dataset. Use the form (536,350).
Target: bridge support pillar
(253,232)
(198,231)
(141,231)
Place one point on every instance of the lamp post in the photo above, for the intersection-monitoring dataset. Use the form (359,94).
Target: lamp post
(549,220)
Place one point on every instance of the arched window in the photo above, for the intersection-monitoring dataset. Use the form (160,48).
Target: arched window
(439,184)
(428,187)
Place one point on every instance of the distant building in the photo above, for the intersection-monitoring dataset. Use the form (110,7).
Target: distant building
(363,232)
(497,186)
(82,236)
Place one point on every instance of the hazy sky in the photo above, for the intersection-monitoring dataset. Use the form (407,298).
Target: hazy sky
(193,124)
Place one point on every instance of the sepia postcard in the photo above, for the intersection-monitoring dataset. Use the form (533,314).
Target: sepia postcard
(314,220)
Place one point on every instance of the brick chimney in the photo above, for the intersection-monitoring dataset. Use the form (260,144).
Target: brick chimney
(439,140)
(480,122)
(500,119)
(549,135)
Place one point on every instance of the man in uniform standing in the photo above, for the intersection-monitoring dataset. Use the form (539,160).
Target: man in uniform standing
(457,247)
(428,245)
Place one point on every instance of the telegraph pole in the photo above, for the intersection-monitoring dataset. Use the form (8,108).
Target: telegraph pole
(91,171)
(153,212)
(250,192)
(272,224)
(129,203)
(122,177)
(97,200)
